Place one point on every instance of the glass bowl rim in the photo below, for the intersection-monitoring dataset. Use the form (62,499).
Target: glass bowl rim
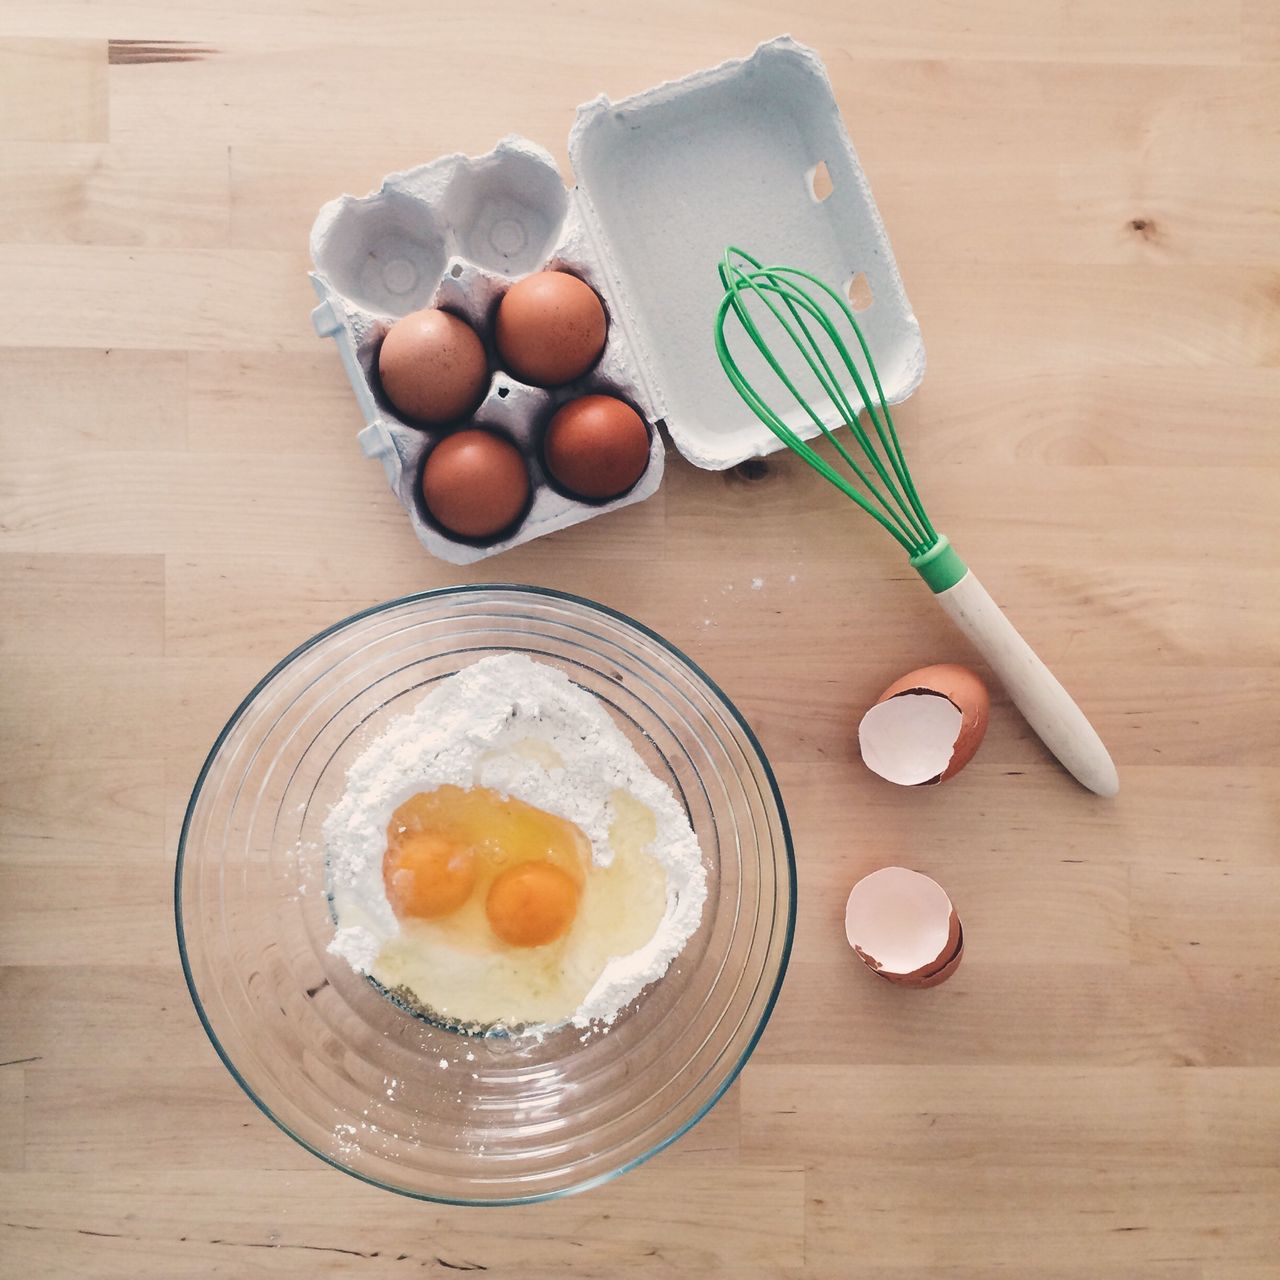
(462,590)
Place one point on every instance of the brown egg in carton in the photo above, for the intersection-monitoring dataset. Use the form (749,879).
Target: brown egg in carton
(456,235)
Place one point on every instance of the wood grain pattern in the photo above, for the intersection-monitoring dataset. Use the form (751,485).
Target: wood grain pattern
(55,91)
(1085,201)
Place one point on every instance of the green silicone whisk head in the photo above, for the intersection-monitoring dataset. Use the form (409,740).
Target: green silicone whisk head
(813,317)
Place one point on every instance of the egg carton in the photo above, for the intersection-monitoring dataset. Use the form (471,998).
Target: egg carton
(751,153)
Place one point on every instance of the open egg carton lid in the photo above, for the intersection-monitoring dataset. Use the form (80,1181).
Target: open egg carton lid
(750,153)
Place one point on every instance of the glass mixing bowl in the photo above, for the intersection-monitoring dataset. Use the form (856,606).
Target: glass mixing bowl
(385,1095)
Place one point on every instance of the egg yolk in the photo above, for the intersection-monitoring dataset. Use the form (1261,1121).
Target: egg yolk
(426,876)
(531,904)
(542,920)
(484,868)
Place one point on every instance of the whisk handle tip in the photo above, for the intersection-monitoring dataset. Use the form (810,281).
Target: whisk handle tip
(1047,707)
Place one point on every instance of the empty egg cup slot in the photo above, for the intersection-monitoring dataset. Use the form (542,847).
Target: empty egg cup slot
(508,209)
(384,252)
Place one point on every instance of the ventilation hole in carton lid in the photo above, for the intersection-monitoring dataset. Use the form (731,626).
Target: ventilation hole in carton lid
(503,392)
(859,291)
(820,185)
(399,275)
(456,270)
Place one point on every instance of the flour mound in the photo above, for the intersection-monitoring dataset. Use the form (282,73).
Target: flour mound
(523,729)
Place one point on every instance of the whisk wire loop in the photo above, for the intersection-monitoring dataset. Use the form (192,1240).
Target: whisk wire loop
(796,302)
(893,502)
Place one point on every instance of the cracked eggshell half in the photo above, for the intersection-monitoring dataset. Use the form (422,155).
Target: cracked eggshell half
(938,976)
(902,925)
(925,727)
(933,975)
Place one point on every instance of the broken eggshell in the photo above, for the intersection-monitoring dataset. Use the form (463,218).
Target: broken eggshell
(939,976)
(904,928)
(934,974)
(925,727)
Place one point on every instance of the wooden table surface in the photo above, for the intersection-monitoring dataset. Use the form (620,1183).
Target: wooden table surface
(1083,197)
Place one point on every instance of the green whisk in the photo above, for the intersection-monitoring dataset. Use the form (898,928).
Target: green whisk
(813,316)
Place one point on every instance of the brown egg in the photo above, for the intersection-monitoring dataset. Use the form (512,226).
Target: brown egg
(550,328)
(475,483)
(596,446)
(433,367)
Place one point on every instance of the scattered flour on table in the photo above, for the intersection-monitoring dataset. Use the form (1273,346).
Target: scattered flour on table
(523,729)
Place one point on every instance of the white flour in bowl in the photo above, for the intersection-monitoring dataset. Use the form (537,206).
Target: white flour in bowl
(522,729)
